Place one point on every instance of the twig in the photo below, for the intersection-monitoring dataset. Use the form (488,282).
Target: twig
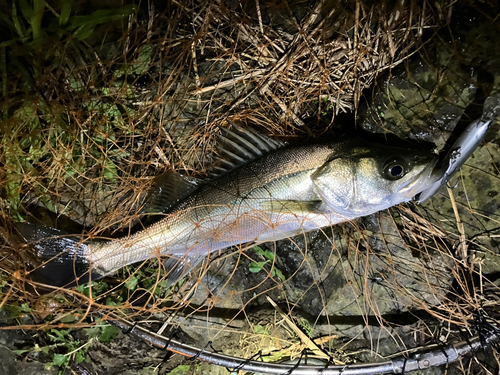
(460,226)
(311,345)
(231,82)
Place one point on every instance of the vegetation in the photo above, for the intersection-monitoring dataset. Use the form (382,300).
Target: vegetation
(97,101)
(256,267)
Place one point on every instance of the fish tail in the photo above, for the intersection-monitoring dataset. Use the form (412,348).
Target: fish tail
(62,258)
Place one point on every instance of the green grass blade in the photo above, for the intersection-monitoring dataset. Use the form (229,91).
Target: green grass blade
(17,25)
(36,19)
(66,6)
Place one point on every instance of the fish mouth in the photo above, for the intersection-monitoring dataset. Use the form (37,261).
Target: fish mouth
(422,181)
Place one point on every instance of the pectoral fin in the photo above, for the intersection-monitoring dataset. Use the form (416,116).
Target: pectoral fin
(299,208)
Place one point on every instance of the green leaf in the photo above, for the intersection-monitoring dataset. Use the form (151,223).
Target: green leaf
(160,287)
(85,25)
(110,302)
(103,15)
(36,19)
(21,31)
(68,319)
(84,289)
(132,282)
(280,274)
(265,253)
(83,32)
(21,351)
(93,332)
(60,360)
(269,255)
(59,335)
(16,310)
(260,330)
(256,266)
(141,65)
(110,171)
(81,356)
(181,370)
(99,287)
(108,332)
(66,6)
(258,250)
(26,9)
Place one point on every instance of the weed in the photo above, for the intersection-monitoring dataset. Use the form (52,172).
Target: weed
(306,327)
(85,123)
(181,370)
(64,348)
(256,267)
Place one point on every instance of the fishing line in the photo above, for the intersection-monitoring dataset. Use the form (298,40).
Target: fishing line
(328,363)
(403,371)
(130,329)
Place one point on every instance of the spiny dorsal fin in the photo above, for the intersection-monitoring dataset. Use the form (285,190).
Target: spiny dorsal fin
(240,146)
(237,146)
(167,190)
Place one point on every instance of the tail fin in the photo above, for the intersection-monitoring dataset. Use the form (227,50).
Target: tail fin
(62,257)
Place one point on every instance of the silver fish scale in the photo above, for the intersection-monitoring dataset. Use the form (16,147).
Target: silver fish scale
(287,192)
(230,210)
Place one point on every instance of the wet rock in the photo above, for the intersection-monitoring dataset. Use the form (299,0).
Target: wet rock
(10,365)
(10,340)
(422,102)
(124,355)
(375,274)
(490,262)
(475,192)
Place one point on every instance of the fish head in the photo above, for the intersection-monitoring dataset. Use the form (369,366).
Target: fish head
(364,179)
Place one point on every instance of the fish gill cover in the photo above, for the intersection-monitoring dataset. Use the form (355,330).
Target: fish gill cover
(97,101)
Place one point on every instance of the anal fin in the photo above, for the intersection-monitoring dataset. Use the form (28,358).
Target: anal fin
(177,268)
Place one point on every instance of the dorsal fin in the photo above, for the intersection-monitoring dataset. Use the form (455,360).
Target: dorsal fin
(238,146)
(168,188)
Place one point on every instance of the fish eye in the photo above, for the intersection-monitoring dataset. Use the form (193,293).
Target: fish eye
(395,168)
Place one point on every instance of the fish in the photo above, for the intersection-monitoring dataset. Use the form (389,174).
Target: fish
(263,190)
